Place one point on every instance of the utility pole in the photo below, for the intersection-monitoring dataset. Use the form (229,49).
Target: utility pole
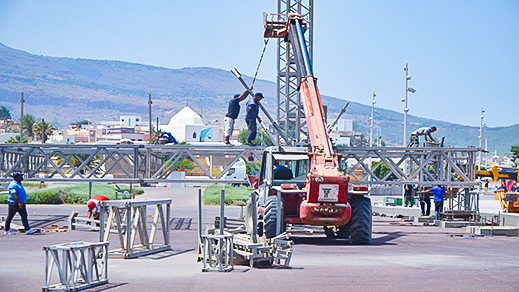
(407,78)
(481,125)
(21,118)
(406,109)
(371,119)
(149,115)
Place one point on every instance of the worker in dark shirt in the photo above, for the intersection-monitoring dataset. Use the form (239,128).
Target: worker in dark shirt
(409,195)
(252,116)
(232,114)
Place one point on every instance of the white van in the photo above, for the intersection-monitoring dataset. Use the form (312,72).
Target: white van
(237,171)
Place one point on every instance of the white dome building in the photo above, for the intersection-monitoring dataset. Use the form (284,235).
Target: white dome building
(188,126)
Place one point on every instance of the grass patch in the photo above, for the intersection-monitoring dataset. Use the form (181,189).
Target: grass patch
(75,194)
(234,196)
(34,185)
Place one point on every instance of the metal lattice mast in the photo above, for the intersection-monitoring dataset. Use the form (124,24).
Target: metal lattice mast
(289,112)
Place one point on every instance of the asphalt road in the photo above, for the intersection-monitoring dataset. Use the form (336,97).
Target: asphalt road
(402,257)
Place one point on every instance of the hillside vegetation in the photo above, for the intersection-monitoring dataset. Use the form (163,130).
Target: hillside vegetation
(55,88)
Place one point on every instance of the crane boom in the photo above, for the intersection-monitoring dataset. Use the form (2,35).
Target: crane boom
(324,162)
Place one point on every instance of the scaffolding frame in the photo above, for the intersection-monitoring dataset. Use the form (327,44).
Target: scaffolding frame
(289,112)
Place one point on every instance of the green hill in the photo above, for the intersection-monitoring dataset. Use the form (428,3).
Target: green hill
(62,90)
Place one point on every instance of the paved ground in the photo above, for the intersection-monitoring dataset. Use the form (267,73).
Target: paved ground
(402,257)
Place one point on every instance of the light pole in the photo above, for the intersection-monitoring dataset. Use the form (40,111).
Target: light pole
(481,126)
(373,112)
(412,90)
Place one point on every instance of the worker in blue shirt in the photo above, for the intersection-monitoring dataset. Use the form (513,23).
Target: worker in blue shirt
(438,192)
(252,116)
(17,199)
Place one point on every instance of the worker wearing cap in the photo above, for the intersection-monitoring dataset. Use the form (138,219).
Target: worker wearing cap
(17,199)
(252,115)
(414,138)
(232,114)
(94,207)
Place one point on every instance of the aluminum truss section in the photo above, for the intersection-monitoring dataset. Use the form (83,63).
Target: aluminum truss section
(289,111)
(450,167)
(123,163)
(78,265)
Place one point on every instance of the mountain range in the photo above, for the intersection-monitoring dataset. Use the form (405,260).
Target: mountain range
(65,90)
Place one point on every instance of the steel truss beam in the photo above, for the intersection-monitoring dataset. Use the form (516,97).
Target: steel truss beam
(451,167)
(120,163)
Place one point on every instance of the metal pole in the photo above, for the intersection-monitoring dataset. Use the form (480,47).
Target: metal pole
(480,137)
(254,218)
(199,215)
(89,190)
(21,118)
(149,114)
(371,119)
(222,210)
(407,77)
(278,213)
(42,131)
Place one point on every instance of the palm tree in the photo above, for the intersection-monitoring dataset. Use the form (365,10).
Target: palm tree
(28,124)
(16,140)
(37,129)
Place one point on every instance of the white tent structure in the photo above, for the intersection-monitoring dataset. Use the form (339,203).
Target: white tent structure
(188,126)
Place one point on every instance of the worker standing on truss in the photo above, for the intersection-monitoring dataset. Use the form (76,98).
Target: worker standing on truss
(252,115)
(232,114)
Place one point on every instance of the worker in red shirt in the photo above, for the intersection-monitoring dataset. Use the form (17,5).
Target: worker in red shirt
(94,207)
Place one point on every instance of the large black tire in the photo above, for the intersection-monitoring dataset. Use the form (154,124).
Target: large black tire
(361,220)
(270,219)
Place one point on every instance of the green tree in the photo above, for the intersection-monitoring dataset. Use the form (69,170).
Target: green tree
(16,140)
(38,128)
(186,164)
(515,154)
(242,138)
(382,170)
(28,124)
(82,122)
(76,160)
(4,113)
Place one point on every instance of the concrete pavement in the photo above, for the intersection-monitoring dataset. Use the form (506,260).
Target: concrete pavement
(401,257)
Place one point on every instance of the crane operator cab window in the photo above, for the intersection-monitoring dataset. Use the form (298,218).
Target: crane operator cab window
(289,169)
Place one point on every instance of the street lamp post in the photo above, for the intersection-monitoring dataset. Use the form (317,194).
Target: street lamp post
(406,109)
(481,126)
(373,112)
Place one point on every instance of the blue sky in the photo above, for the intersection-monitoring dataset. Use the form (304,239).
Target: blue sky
(463,55)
